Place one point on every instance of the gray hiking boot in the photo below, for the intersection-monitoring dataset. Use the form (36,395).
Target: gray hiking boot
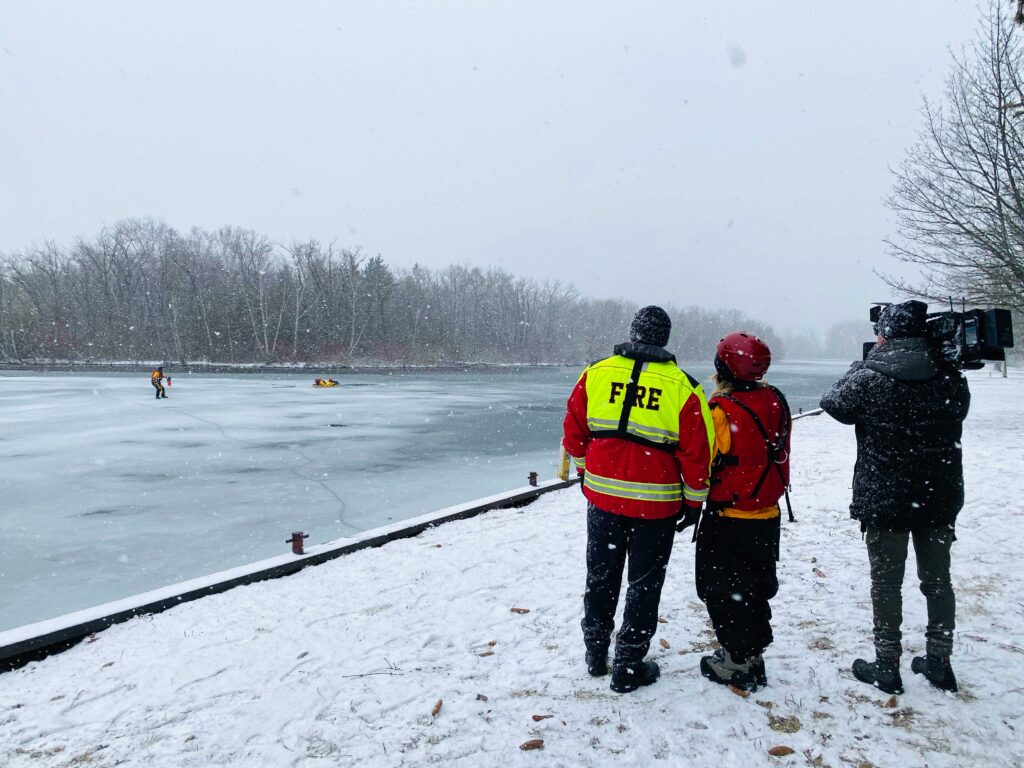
(723,669)
(883,673)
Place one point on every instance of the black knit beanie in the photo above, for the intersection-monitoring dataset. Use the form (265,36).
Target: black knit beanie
(902,321)
(651,325)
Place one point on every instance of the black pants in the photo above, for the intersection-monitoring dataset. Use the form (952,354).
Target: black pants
(735,564)
(648,546)
(159,387)
(887,553)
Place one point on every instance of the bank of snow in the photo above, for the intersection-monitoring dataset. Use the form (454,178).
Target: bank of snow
(344,664)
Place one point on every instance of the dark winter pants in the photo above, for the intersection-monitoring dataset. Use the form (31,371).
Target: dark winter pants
(648,546)
(159,387)
(887,553)
(735,564)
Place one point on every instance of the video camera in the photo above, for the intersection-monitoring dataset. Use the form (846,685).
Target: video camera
(965,339)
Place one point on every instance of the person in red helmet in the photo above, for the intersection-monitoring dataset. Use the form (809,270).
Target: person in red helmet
(738,536)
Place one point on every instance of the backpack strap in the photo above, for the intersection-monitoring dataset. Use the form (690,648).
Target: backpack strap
(772,449)
(785,427)
(631,387)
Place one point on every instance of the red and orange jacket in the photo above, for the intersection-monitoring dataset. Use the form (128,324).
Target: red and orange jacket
(751,469)
(629,473)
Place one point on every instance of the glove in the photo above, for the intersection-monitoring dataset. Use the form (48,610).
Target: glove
(689,516)
(583,477)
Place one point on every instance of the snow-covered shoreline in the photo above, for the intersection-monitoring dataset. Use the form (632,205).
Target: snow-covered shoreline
(208,367)
(68,628)
(344,664)
(326,367)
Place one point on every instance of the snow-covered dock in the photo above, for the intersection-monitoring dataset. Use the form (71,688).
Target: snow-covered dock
(411,654)
(42,638)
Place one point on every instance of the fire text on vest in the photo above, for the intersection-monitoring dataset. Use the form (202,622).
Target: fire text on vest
(646,397)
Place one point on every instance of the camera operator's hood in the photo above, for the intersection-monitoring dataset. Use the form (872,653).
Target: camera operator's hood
(909,359)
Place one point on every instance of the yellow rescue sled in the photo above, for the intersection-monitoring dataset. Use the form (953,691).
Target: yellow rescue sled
(325,383)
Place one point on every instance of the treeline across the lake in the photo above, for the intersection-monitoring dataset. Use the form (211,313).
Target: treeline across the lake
(141,290)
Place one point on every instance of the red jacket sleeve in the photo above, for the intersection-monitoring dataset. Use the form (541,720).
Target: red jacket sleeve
(694,451)
(575,433)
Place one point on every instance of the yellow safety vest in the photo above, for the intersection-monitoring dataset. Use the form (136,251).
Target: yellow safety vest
(651,418)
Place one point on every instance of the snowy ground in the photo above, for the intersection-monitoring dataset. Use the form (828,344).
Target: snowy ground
(346,664)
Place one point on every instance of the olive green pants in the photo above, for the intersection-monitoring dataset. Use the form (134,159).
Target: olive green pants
(887,554)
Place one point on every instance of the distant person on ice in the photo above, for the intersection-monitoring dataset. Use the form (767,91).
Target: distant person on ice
(738,537)
(640,433)
(157,379)
(908,407)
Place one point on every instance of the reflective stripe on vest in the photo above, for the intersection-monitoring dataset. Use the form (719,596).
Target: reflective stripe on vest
(628,490)
(654,434)
(695,494)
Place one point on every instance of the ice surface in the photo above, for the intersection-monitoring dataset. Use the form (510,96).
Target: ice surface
(106,492)
(343,664)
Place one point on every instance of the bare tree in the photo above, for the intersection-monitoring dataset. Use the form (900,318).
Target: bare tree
(262,286)
(355,296)
(141,291)
(300,254)
(959,195)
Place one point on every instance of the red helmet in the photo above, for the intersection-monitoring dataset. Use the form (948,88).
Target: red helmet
(744,356)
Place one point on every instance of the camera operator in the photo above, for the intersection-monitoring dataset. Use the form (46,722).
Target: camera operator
(908,406)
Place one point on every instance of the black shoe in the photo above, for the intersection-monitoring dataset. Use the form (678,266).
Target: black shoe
(597,663)
(723,669)
(937,670)
(629,677)
(884,674)
(759,672)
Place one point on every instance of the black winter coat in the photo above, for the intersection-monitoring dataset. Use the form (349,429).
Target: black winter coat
(908,408)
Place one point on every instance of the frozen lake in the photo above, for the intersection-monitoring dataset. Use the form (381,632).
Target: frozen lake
(105,492)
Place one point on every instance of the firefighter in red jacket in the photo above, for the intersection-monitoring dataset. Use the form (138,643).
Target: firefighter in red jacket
(640,433)
(738,537)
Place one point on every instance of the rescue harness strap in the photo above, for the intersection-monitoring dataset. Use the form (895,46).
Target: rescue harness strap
(627,406)
(603,433)
(773,449)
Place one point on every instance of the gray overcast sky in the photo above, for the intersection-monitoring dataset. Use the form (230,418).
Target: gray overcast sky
(722,154)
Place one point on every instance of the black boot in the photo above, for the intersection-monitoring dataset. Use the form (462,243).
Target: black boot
(759,671)
(723,669)
(937,670)
(597,662)
(884,674)
(629,677)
